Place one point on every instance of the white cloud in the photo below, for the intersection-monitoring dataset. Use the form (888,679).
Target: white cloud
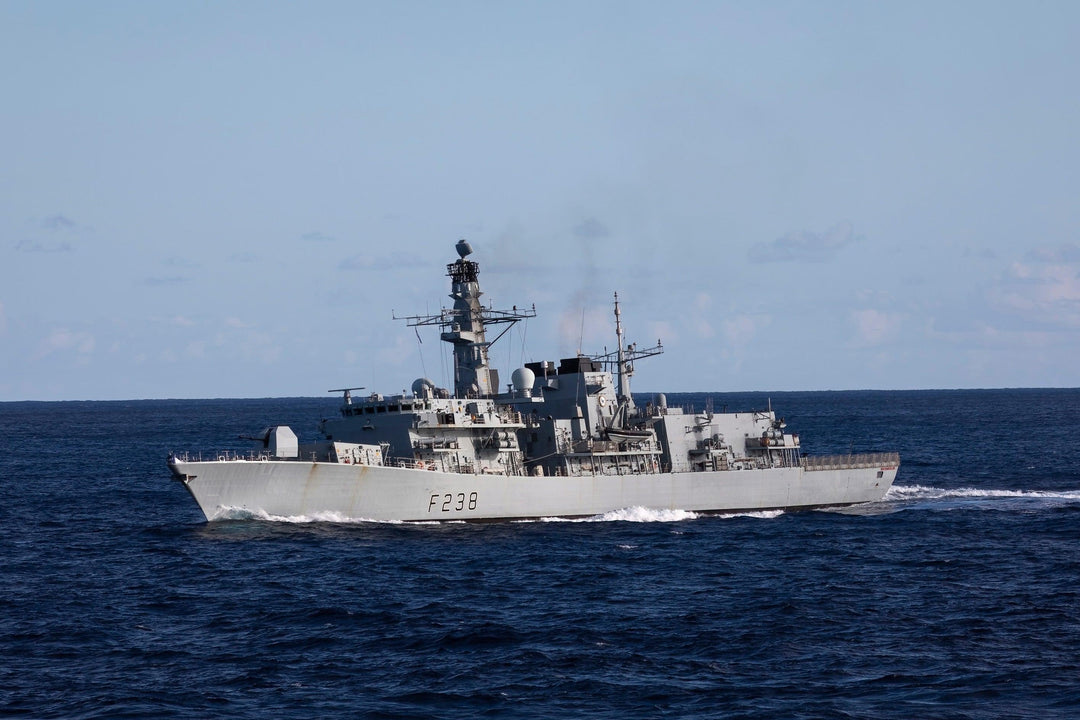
(1065,253)
(1045,289)
(356,262)
(740,329)
(704,329)
(738,333)
(402,347)
(663,331)
(64,340)
(397,260)
(803,246)
(701,322)
(241,341)
(165,280)
(591,229)
(57,223)
(873,327)
(179,262)
(36,246)
(982,337)
(56,226)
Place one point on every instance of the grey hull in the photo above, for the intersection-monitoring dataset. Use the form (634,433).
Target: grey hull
(379,493)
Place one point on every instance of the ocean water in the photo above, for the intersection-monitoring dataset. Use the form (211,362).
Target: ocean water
(958,596)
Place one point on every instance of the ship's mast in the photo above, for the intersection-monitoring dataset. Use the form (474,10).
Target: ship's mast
(463,326)
(624,367)
(623,361)
(466,332)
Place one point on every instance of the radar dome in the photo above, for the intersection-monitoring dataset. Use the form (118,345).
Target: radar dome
(422,387)
(523,379)
(463,247)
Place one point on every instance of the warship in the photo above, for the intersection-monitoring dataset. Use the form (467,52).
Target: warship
(560,440)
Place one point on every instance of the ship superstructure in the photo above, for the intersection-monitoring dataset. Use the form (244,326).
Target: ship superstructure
(562,439)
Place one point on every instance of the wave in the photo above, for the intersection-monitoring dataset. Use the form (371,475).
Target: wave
(763,514)
(236,513)
(922,492)
(635,514)
(631,514)
(640,514)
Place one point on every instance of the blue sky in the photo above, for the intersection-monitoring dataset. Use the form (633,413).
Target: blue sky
(230,199)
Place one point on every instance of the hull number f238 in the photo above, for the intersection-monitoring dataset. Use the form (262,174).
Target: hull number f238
(449,502)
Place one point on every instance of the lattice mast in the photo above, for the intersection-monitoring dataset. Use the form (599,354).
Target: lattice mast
(464,327)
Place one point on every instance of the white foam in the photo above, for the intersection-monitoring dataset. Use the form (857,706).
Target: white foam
(632,514)
(763,514)
(922,492)
(647,515)
(636,514)
(235,513)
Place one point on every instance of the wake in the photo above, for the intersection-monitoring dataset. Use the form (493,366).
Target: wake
(235,513)
(649,515)
(922,492)
(629,514)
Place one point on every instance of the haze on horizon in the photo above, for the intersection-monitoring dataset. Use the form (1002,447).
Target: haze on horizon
(231,199)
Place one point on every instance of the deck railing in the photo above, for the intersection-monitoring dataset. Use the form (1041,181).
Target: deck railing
(846,462)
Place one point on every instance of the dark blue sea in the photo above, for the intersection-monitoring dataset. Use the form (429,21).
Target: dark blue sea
(958,596)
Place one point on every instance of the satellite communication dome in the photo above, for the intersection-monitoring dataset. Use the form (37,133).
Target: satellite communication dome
(523,379)
(422,387)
